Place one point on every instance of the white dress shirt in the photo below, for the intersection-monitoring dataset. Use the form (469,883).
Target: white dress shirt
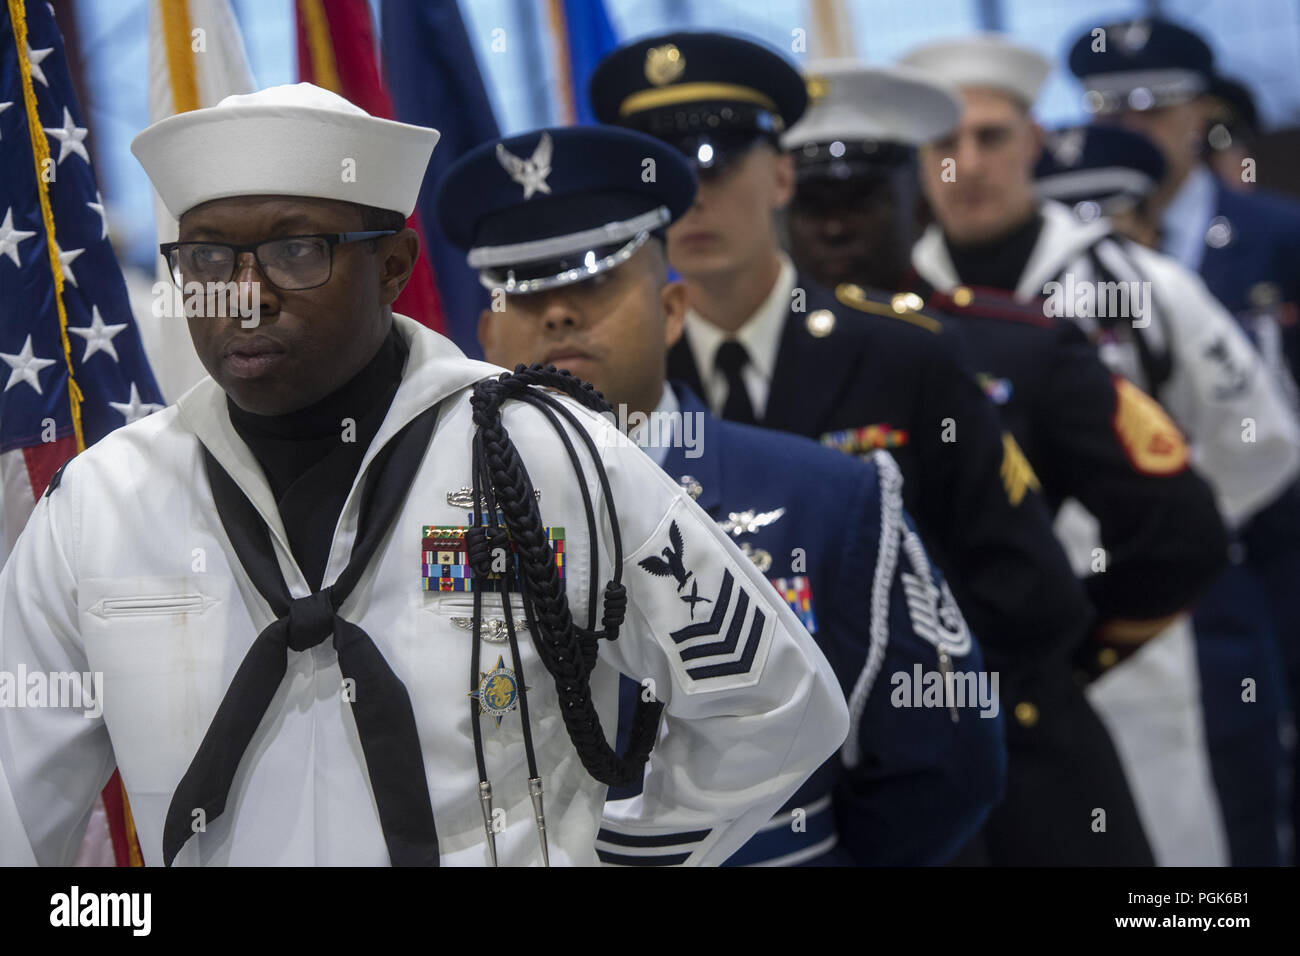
(655,435)
(761,337)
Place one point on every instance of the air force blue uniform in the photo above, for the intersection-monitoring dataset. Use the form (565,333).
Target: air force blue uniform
(912,784)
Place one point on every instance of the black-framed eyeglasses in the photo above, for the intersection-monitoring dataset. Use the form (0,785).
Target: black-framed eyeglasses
(290,264)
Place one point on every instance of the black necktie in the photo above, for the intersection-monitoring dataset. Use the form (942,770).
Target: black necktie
(380,705)
(731,357)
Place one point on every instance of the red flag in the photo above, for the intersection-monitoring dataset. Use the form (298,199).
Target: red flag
(336,51)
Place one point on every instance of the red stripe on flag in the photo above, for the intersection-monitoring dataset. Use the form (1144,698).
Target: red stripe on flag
(115,807)
(352,37)
(43,461)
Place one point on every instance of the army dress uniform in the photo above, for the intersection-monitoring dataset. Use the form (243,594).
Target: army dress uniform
(162,559)
(911,783)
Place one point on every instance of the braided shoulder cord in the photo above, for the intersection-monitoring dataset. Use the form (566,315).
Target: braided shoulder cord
(567,650)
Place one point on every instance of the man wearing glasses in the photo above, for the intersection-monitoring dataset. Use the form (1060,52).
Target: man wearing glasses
(289,674)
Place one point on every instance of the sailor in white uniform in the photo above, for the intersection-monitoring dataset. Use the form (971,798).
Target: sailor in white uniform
(991,231)
(286,606)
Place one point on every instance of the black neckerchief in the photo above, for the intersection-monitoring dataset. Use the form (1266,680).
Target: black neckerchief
(308,464)
(997,263)
(381,706)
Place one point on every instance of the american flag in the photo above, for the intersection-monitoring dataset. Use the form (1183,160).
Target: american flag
(63,390)
(71,359)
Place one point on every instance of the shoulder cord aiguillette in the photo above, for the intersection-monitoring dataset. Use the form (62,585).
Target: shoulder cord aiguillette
(568,651)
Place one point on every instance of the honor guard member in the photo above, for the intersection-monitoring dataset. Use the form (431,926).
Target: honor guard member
(990,231)
(855,154)
(1157,77)
(1246,246)
(1103,171)
(346,473)
(862,371)
(911,784)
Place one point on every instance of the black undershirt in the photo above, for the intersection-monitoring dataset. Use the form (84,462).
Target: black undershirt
(308,465)
(996,263)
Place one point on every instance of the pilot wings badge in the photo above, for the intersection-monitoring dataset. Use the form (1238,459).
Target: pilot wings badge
(748,522)
(530,173)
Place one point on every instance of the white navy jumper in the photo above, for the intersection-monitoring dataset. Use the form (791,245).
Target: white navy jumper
(125,570)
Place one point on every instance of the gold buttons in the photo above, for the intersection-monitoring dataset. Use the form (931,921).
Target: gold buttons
(906,302)
(1026,714)
(962,295)
(821,323)
(1108,657)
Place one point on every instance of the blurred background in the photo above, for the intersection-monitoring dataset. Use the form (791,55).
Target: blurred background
(1257,41)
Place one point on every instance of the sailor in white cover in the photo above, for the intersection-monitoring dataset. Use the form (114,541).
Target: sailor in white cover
(291,597)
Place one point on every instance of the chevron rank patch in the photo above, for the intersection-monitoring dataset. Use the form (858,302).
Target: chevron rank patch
(444,560)
(1017,474)
(868,438)
(1152,441)
(723,627)
(797,592)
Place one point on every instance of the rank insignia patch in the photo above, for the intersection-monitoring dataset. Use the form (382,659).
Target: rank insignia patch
(1152,441)
(674,555)
(498,691)
(444,560)
(725,627)
(797,592)
(868,438)
(716,648)
(1017,474)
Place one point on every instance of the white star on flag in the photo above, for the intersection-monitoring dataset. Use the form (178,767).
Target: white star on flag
(98,206)
(71,138)
(3,107)
(25,367)
(34,57)
(10,237)
(66,258)
(134,409)
(98,336)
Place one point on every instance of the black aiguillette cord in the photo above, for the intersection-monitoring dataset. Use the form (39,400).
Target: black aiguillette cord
(381,705)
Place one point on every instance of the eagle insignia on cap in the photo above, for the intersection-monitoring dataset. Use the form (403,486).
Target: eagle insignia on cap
(530,173)
(817,88)
(663,64)
(1067,145)
(1134,36)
